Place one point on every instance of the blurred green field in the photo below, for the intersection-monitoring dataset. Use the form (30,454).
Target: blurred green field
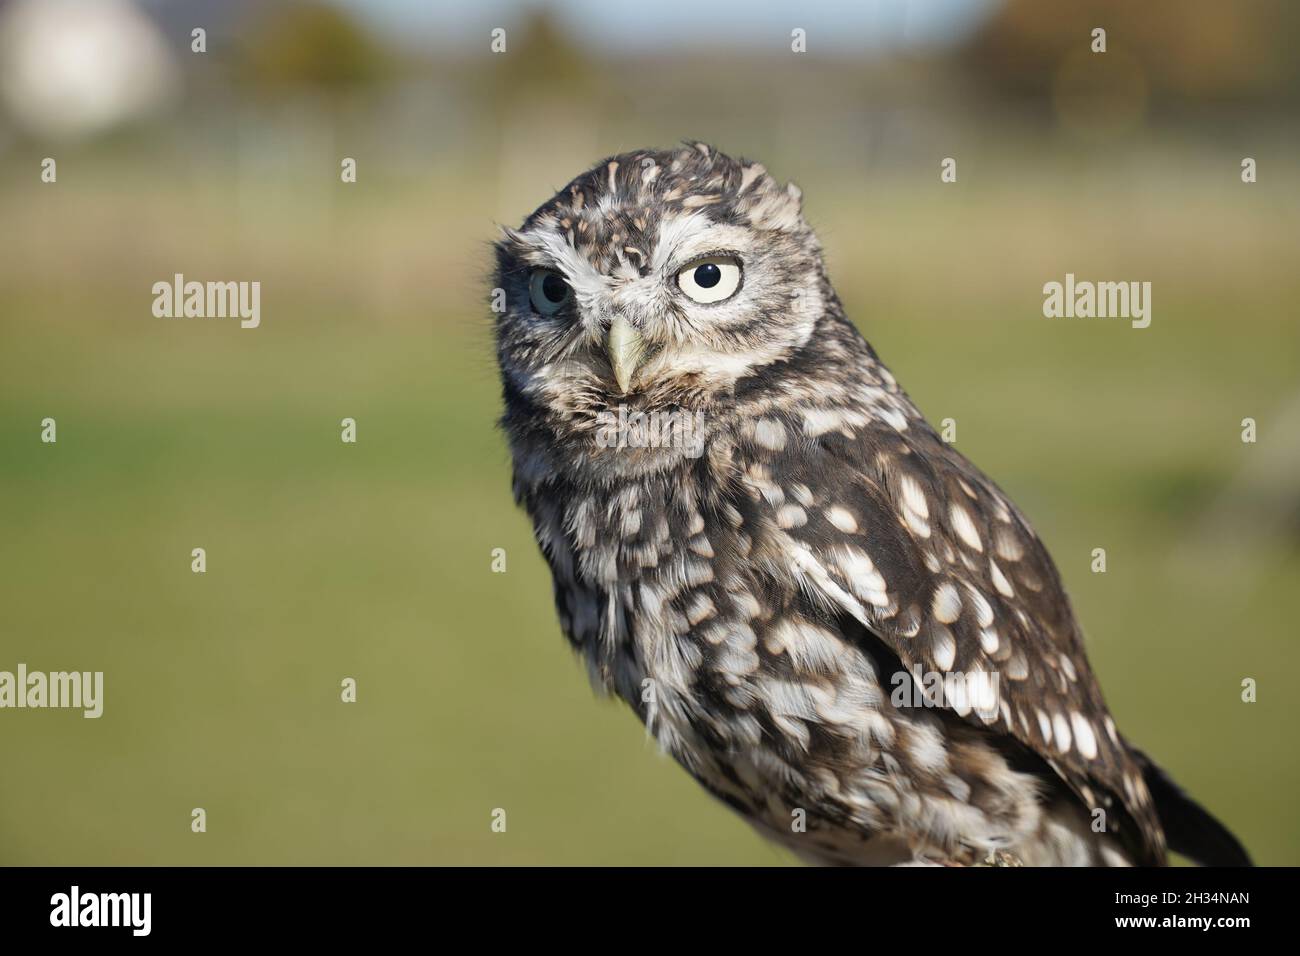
(372,560)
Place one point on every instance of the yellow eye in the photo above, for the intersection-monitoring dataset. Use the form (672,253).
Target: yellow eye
(548,291)
(710,280)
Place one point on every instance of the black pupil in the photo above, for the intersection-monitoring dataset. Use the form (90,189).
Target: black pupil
(554,288)
(707,276)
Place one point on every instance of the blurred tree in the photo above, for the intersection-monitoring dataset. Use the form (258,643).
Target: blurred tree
(311,47)
(541,62)
(544,89)
(1190,51)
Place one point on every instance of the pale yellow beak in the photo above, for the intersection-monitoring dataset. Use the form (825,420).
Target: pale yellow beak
(626,349)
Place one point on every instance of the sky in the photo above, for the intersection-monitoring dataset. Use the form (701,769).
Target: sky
(839,25)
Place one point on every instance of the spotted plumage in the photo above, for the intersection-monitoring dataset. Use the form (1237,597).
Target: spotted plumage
(835,622)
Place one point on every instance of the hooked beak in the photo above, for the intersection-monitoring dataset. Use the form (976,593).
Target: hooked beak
(625,348)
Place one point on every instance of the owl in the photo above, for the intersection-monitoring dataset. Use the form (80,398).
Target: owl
(839,626)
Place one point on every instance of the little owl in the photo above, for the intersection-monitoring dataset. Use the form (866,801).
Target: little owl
(835,622)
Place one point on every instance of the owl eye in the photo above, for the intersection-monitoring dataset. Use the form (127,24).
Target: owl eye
(548,291)
(710,280)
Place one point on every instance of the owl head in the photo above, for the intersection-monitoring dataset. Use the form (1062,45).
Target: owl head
(657,279)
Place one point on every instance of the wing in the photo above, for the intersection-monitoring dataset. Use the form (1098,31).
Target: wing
(885,520)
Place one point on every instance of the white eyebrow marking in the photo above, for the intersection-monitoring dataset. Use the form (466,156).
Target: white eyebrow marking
(673,231)
(550,249)
(685,236)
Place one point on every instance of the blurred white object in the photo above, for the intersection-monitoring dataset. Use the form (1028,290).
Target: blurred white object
(72,68)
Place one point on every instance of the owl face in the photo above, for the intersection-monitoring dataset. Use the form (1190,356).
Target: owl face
(655,280)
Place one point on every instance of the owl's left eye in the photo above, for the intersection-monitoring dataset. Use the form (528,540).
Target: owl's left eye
(548,291)
(710,280)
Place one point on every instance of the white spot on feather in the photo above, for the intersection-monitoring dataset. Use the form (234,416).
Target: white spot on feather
(1044,726)
(841,519)
(699,609)
(926,748)
(999,580)
(983,610)
(965,527)
(769,433)
(862,577)
(1084,737)
(791,516)
(1062,732)
(1067,665)
(913,496)
(819,421)
(1111,731)
(943,647)
(1007,544)
(946,604)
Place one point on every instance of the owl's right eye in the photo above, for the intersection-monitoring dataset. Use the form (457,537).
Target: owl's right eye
(548,291)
